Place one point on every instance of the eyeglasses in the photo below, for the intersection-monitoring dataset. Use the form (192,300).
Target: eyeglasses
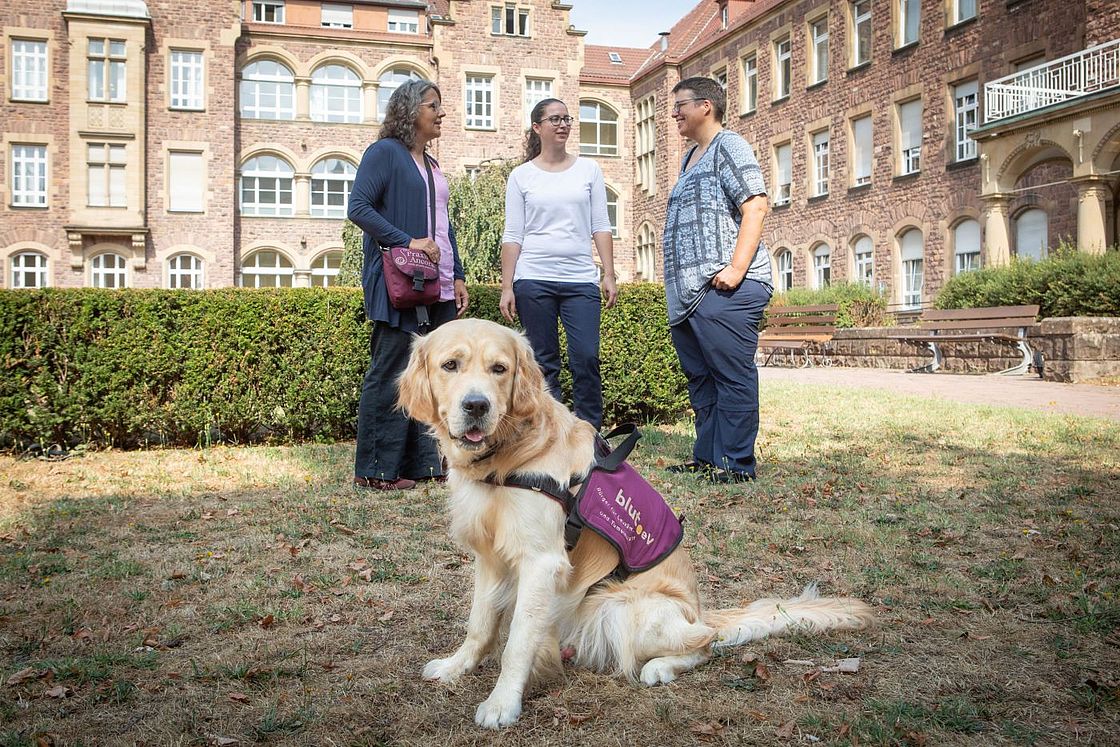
(556,120)
(433,105)
(678,104)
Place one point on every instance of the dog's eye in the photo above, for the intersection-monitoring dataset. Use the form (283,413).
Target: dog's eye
(499,368)
(451,365)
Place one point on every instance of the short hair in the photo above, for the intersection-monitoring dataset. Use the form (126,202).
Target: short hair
(706,88)
(403,108)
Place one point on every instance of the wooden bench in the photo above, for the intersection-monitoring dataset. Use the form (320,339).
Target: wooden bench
(797,330)
(937,327)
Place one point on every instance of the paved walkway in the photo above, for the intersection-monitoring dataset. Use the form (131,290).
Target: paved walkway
(1027,392)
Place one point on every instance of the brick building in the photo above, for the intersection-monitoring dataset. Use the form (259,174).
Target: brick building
(159,145)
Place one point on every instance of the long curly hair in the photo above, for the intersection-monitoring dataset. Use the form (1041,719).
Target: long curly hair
(532,139)
(404,108)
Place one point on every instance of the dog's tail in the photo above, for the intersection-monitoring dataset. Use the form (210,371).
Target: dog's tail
(808,612)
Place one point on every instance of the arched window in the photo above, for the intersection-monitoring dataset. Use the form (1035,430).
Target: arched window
(267,91)
(1032,229)
(612,210)
(324,270)
(266,186)
(822,266)
(336,94)
(184,271)
(29,270)
(863,260)
(646,264)
(266,269)
(911,247)
(389,82)
(109,270)
(331,180)
(598,129)
(966,246)
(785,270)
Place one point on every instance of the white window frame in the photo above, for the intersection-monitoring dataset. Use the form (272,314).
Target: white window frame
(390,81)
(783,67)
(183,166)
(106,61)
(750,83)
(29,70)
(612,211)
(31,265)
(818,44)
(783,173)
(338,16)
(106,165)
(268,91)
(101,271)
(822,266)
(860,11)
(327,183)
(909,15)
(959,8)
(187,79)
(863,260)
(324,270)
(403,21)
(336,94)
(536,89)
(510,19)
(966,254)
(646,260)
(863,153)
(185,271)
(646,145)
(785,270)
(29,169)
(821,146)
(912,269)
(267,174)
(602,124)
(479,109)
(910,136)
(282,273)
(966,108)
(268,11)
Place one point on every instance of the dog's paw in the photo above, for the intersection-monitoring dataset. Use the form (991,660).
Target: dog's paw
(497,711)
(444,670)
(658,672)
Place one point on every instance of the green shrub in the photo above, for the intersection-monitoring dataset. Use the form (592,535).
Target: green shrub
(350,270)
(860,305)
(1067,283)
(135,367)
(477,210)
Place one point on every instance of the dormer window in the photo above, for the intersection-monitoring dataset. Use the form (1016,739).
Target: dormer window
(404,21)
(724,16)
(268,11)
(615,57)
(337,16)
(509,20)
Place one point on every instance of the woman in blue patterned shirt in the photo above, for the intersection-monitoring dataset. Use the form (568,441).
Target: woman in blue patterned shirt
(717,281)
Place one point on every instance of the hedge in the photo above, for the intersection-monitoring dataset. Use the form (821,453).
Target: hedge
(860,304)
(1067,283)
(138,367)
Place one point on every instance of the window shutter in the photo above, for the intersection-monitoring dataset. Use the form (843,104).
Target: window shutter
(910,123)
(185,182)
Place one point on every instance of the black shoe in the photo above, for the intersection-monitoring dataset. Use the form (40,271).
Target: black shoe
(728,477)
(688,468)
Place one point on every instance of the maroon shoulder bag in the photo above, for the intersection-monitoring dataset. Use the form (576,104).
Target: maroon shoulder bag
(411,278)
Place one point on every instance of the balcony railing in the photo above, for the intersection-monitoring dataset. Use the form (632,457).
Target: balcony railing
(1079,74)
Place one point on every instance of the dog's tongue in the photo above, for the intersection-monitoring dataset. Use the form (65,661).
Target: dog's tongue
(474,436)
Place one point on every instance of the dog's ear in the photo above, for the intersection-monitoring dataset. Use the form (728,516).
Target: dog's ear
(414,388)
(528,383)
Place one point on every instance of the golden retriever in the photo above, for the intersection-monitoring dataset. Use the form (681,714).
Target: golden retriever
(477,386)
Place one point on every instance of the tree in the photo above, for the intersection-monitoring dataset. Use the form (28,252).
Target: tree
(477,212)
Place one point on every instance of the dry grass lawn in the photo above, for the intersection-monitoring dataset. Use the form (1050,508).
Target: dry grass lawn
(249,595)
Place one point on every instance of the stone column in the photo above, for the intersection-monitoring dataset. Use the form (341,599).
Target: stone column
(301,195)
(303,98)
(369,101)
(997,230)
(1092,200)
(301,279)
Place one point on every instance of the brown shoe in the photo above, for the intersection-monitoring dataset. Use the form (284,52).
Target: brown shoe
(372,483)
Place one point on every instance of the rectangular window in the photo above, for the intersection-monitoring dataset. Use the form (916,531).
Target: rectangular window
(912,283)
(820,163)
(910,136)
(268,11)
(404,21)
(480,102)
(750,83)
(29,70)
(781,68)
(186,79)
(864,261)
(185,182)
(818,39)
(509,20)
(783,169)
(106,70)
(106,175)
(29,175)
(861,32)
(340,16)
(822,267)
(862,151)
(909,16)
(647,145)
(963,10)
(536,89)
(967,111)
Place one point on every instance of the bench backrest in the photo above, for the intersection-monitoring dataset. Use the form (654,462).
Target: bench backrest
(801,320)
(988,317)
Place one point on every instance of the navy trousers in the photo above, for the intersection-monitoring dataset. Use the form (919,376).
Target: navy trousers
(716,346)
(540,303)
(390,444)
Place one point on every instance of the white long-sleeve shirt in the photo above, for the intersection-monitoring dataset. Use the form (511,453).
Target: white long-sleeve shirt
(552,215)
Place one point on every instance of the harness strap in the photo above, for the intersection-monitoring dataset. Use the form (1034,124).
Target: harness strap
(555,490)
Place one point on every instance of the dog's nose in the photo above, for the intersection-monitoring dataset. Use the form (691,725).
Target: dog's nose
(476,405)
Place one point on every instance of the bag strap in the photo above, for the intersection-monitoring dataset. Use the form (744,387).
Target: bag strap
(617,456)
(431,199)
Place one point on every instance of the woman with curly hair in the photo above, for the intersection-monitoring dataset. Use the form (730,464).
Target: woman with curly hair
(389,202)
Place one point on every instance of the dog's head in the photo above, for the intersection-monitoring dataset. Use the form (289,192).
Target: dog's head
(471,379)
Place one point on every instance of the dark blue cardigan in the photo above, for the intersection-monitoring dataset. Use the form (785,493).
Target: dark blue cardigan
(389,202)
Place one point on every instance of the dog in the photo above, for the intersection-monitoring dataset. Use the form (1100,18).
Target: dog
(476,385)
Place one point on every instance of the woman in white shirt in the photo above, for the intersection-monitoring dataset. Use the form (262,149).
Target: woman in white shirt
(556,207)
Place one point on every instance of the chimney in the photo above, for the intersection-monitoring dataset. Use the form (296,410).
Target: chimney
(664,41)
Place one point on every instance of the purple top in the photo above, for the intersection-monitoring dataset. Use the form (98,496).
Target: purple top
(443,236)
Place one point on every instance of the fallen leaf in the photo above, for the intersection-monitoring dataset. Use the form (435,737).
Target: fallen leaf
(232,512)
(386,617)
(366,575)
(218,741)
(750,657)
(266,621)
(844,666)
(177,575)
(785,731)
(708,729)
(761,672)
(239,697)
(336,618)
(23,675)
(59,691)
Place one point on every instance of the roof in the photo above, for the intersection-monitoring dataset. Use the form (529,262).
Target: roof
(440,8)
(120,8)
(599,68)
